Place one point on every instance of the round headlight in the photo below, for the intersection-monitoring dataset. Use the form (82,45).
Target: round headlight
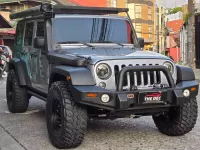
(103,71)
(169,66)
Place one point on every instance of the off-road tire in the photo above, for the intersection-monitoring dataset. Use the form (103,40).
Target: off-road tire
(17,97)
(73,117)
(178,121)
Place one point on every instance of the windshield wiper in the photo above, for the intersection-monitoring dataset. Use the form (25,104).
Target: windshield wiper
(120,44)
(75,42)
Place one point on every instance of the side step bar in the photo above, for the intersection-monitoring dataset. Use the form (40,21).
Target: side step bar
(37,95)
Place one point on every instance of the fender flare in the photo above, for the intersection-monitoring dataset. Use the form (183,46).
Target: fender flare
(185,73)
(19,66)
(78,75)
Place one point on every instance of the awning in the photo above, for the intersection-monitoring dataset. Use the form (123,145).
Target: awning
(4,23)
(7,32)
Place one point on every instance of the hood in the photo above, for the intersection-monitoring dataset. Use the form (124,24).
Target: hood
(99,54)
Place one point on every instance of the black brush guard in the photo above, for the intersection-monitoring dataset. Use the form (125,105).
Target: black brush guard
(141,69)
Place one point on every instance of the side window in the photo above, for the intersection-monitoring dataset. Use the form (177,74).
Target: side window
(28,34)
(19,34)
(40,29)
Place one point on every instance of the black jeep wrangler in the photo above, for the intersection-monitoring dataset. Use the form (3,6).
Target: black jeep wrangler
(87,62)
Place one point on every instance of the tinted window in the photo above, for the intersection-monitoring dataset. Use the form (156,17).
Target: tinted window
(28,34)
(91,30)
(19,34)
(40,29)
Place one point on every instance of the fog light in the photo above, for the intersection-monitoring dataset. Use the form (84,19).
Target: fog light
(186,93)
(105,98)
(102,85)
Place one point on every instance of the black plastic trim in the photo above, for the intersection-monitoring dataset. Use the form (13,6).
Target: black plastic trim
(78,75)
(63,59)
(185,73)
(21,71)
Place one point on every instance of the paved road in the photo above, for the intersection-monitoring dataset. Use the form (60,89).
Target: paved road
(28,131)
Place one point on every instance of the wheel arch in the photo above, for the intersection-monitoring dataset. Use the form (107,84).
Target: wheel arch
(20,69)
(76,75)
(185,73)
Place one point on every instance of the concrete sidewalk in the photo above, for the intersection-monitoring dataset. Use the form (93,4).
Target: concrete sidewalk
(7,142)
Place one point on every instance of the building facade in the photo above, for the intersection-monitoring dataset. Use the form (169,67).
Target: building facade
(117,3)
(159,29)
(142,15)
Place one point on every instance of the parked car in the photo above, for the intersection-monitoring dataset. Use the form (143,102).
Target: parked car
(7,51)
(87,64)
(3,62)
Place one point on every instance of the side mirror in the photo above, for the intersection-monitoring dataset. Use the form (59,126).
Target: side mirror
(39,42)
(141,42)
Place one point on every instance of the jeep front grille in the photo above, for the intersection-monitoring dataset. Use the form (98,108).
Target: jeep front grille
(141,79)
(138,78)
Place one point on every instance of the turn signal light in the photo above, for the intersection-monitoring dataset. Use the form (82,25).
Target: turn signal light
(68,78)
(92,95)
(193,89)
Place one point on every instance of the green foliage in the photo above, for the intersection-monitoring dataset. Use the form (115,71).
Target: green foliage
(14,23)
(180,63)
(163,53)
(175,10)
(186,17)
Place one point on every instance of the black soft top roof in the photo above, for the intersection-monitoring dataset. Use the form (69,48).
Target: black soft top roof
(49,10)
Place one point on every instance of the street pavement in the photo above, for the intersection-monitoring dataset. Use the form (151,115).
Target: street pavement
(28,131)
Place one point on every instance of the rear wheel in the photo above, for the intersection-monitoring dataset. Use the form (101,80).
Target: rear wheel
(179,120)
(17,97)
(66,121)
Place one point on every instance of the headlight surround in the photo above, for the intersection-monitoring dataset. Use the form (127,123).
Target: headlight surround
(169,66)
(103,71)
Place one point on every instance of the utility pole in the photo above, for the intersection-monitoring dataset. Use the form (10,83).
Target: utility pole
(191,34)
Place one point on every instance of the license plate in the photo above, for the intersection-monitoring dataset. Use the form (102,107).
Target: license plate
(152,97)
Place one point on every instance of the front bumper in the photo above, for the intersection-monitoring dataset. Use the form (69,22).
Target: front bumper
(120,101)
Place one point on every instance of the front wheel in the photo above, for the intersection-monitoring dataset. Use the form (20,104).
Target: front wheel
(66,120)
(17,96)
(179,120)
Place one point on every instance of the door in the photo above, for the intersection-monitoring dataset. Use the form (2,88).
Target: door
(19,51)
(40,65)
(28,50)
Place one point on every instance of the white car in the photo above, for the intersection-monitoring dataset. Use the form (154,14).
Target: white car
(7,51)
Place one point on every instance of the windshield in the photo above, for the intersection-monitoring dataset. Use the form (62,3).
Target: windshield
(93,30)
